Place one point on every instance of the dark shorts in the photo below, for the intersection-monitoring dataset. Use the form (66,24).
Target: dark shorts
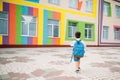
(76,59)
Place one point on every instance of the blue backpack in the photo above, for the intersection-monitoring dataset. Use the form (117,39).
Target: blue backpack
(78,49)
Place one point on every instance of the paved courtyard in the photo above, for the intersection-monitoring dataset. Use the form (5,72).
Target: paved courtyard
(99,63)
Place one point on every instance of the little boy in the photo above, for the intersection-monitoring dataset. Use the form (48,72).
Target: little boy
(76,58)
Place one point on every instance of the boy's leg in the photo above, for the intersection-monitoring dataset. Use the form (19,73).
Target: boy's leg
(78,64)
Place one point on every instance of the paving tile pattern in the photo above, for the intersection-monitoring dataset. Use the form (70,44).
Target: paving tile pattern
(99,63)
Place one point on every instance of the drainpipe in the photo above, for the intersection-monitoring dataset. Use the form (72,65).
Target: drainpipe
(99,22)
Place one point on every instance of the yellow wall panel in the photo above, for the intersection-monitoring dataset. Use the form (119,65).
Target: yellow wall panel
(40,26)
(1,6)
(37,5)
(94,8)
(62,29)
(0,40)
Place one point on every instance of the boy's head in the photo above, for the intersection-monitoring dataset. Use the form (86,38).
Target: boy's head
(78,34)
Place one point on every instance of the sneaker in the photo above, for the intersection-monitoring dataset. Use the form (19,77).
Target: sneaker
(78,68)
(77,71)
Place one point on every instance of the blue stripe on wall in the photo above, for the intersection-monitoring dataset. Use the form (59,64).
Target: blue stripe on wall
(45,30)
(24,10)
(36,1)
(24,40)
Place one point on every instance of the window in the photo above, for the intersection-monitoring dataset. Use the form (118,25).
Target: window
(116,34)
(29,26)
(73,4)
(88,31)
(54,1)
(89,5)
(117,11)
(72,29)
(53,28)
(3,23)
(105,32)
(106,9)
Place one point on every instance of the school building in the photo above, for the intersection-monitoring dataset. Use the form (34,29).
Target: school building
(54,22)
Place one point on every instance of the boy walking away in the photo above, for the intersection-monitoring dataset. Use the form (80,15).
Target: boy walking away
(78,50)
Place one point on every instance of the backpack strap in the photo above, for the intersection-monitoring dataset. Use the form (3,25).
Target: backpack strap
(77,41)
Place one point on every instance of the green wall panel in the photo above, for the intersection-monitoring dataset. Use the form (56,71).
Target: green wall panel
(49,14)
(81,28)
(49,40)
(18,23)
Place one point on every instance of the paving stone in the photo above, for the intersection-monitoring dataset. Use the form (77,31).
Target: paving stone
(99,63)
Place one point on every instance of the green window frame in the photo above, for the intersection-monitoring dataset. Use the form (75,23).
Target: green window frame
(107,9)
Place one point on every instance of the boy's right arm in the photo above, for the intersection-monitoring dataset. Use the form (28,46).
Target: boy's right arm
(72,43)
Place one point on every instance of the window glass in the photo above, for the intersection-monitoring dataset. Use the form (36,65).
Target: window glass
(50,30)
(89,5)
(117,11)
(54,1)
(3,15)
(72,29)
(106,9)
(56,31)
(88,31)
(29,26)
(24,28)
(33,19)
(116,34)
(105,32)
(32,29)
(55,22)
(70,32)
(53,28)
(3,23)
(73,4)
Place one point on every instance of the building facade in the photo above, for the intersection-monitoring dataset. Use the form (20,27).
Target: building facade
(109,27)
(54,22)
